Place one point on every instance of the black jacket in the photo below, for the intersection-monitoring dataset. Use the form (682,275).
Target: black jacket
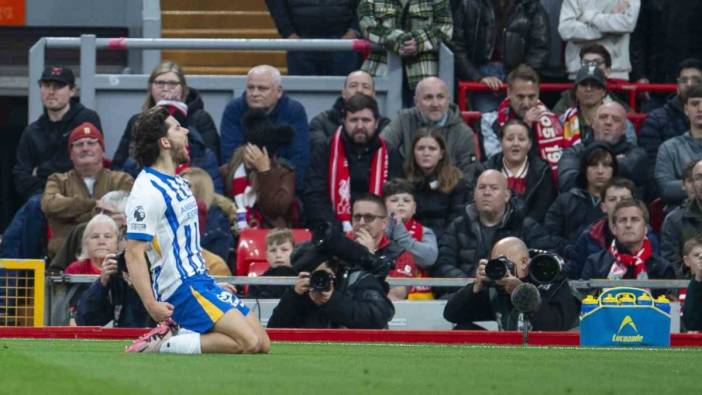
(323,126)
(436,209)
(463,243)
(662,124)
(598,265)
(44,146)
(316,199)
(569,215)
(633,164)
(314,18)
(540,191)
(666,33)
(359,302)
(99,305)
(525,39)
(692,309)
(198,119)
(558,312)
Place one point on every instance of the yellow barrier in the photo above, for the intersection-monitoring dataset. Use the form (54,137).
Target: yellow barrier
(22,292)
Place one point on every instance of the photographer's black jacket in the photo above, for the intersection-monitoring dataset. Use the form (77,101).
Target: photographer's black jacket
(559,308)
(362,304)
(96,306)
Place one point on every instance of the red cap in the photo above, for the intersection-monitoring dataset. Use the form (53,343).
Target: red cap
(86,130)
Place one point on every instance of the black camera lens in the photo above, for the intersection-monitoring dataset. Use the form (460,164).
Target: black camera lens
(545,268)
(320,281)
(497,268)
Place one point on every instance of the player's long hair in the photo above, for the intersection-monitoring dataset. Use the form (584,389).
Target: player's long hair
(446,174)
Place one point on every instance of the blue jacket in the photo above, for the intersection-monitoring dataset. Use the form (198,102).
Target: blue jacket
(287,111)
(218,237)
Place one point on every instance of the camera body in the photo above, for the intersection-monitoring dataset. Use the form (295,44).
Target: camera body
(321,281)
(497,268)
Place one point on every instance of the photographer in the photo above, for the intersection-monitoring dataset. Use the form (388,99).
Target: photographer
(112,298)
(489,299)
(340,281)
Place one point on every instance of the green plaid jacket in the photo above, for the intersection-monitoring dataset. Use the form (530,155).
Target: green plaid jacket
(388,23)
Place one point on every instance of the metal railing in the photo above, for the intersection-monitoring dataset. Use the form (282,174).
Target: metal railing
(89,44)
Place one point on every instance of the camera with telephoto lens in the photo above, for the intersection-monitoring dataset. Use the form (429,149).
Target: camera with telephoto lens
(545,267)
(321,281)
(498,268)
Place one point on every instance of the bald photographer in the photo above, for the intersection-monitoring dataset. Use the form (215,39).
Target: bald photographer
(513,282)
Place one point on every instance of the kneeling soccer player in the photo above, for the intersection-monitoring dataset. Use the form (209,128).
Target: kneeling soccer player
(163,227)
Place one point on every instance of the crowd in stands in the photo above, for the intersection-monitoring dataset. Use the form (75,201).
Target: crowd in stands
(421,191)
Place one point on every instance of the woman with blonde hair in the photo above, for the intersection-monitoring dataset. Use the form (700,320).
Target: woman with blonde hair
(439,187)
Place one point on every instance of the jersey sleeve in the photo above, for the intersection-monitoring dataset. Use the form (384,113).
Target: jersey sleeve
(143,215)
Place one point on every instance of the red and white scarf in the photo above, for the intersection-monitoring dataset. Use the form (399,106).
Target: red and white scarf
(418,292)
(623,261)
(516,181)
(571,126)
(415,229)
(340,178)
(549,133)
(242,192)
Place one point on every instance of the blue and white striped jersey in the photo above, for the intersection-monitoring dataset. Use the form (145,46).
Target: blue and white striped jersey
(161,210)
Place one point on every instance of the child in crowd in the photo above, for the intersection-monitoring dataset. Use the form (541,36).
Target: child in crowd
(279,248)
(692,307)
(419,241)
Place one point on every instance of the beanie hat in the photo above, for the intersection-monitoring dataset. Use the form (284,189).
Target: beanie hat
(86,130)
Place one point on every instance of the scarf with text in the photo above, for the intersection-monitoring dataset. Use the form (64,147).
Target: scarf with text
(549,133)
(624,261)
(571,126)
(340,177)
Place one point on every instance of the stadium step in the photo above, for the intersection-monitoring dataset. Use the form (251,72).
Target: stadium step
(219,19)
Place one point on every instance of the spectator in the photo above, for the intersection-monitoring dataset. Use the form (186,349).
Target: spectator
(523,103)
(432,109)
(590,93)
(264,92)
(607,22)
(69,198)
(608,128)
(42,151)
(484,300)
(318,19)
(214,212)
(528,176)
(685,222)
(630,256)
(593,55)
(323,126)
(354,162)
(355,298)
(670,120)
(167,82)
(440,190)
(99,244)
(676,152)
(598,236)
(258,180)
(111,204)
(279,248)
(413,30)
(42,148)
(692,309)
(491,38)
(404,230)
(490,218)
(666,33)
(574,210)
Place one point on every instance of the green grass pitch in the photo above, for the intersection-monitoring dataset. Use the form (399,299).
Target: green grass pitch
(100,367)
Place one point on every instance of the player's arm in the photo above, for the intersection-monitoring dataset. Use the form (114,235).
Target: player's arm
(139,274)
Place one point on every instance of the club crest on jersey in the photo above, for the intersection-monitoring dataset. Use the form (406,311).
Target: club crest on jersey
(139,214)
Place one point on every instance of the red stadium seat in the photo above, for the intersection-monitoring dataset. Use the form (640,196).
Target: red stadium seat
(257,268)
(252,247)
